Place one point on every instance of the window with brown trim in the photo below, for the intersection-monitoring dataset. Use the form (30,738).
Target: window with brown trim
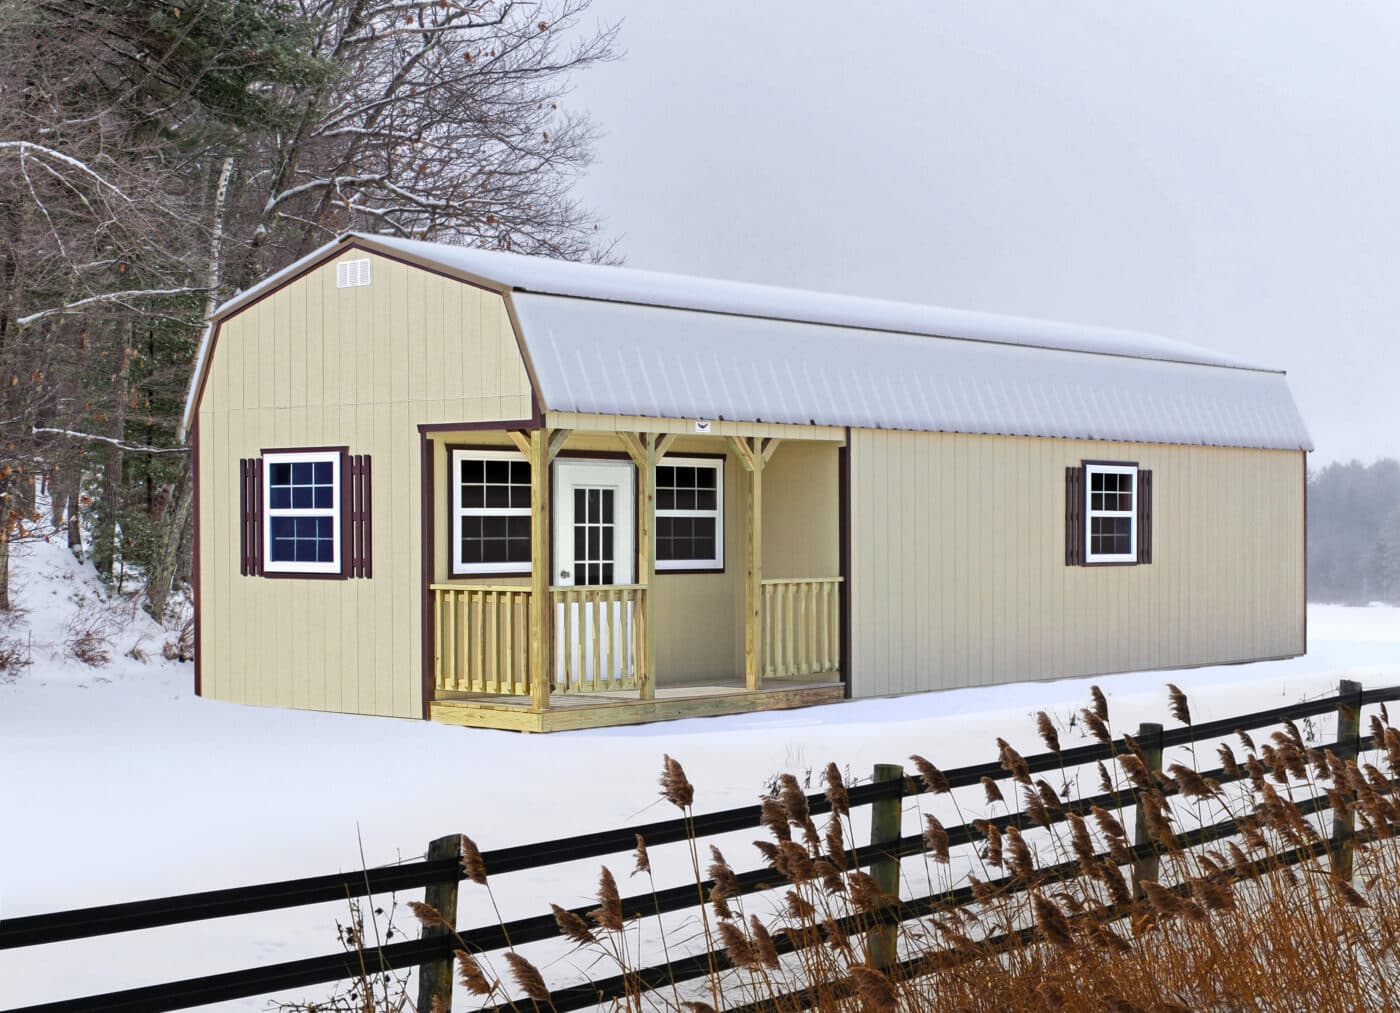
(305,513)
(690,513)
(1108,514)
(490,512)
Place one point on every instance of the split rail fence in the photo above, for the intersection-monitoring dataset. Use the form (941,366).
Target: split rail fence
(440,872)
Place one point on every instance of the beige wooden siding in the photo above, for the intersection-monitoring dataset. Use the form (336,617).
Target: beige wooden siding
(313,365)
(802,512)
(958,574)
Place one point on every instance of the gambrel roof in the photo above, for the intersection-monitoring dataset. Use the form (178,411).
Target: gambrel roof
(618,341)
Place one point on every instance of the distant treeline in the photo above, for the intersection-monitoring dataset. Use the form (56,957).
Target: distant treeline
(1354,533)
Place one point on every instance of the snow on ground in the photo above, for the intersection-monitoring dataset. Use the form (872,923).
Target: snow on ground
(117,783)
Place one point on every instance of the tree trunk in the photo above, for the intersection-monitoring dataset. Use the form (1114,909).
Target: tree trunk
(4,568)
(6,524)
(167,563)
(104,548)
(65,491)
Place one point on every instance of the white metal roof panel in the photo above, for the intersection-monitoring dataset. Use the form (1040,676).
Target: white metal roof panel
(599,357)
(653,288)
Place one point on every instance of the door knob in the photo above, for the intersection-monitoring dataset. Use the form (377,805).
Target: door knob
(563,573)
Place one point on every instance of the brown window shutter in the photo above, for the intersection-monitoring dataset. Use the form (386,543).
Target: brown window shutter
(367,543)
(350,519)
(1074,516)
(256,528)
(360,526)
(250,516)
(1144,516)
(244,514)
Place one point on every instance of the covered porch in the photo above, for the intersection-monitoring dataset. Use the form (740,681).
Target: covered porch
(718,589)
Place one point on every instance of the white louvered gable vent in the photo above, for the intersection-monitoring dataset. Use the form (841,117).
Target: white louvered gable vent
(352,273)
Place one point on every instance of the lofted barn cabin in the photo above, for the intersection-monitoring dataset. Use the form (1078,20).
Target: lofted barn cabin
(511,492)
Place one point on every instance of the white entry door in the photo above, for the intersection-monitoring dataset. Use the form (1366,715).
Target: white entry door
(595,511)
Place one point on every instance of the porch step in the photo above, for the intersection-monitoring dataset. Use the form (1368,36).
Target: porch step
(592,712)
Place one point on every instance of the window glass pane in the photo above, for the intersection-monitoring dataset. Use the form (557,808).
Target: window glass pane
(494,486)
(692,488)
(309,486)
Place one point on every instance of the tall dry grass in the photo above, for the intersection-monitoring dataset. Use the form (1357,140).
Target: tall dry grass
(1040,910)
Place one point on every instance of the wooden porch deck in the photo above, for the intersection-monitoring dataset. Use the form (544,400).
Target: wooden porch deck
(626,707)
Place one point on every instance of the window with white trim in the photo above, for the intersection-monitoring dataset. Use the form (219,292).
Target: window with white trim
(1110,532)
(301,493)
(490,512)
(690,513)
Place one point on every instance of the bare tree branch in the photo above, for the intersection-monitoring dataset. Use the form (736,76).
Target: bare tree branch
(109,440)
(103,297)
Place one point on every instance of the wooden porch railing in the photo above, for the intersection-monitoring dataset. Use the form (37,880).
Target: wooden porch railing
(482,638)
(801,626)
(600,632)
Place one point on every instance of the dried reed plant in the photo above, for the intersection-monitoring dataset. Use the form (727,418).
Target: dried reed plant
(1018,896)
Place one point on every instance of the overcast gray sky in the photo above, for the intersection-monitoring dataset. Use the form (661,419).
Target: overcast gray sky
(1217,173)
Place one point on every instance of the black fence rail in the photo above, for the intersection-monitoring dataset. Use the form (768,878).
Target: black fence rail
(440,873)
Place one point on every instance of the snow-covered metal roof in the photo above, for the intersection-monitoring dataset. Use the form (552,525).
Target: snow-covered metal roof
(610,340)
(711,295)
(600,357)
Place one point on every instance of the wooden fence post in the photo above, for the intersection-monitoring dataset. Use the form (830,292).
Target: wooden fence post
(1348,746)
(1145,866)
(435,979)
(886,825)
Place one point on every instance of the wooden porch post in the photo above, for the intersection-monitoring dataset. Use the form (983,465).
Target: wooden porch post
(646,450)
(753,453)
(541,605)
